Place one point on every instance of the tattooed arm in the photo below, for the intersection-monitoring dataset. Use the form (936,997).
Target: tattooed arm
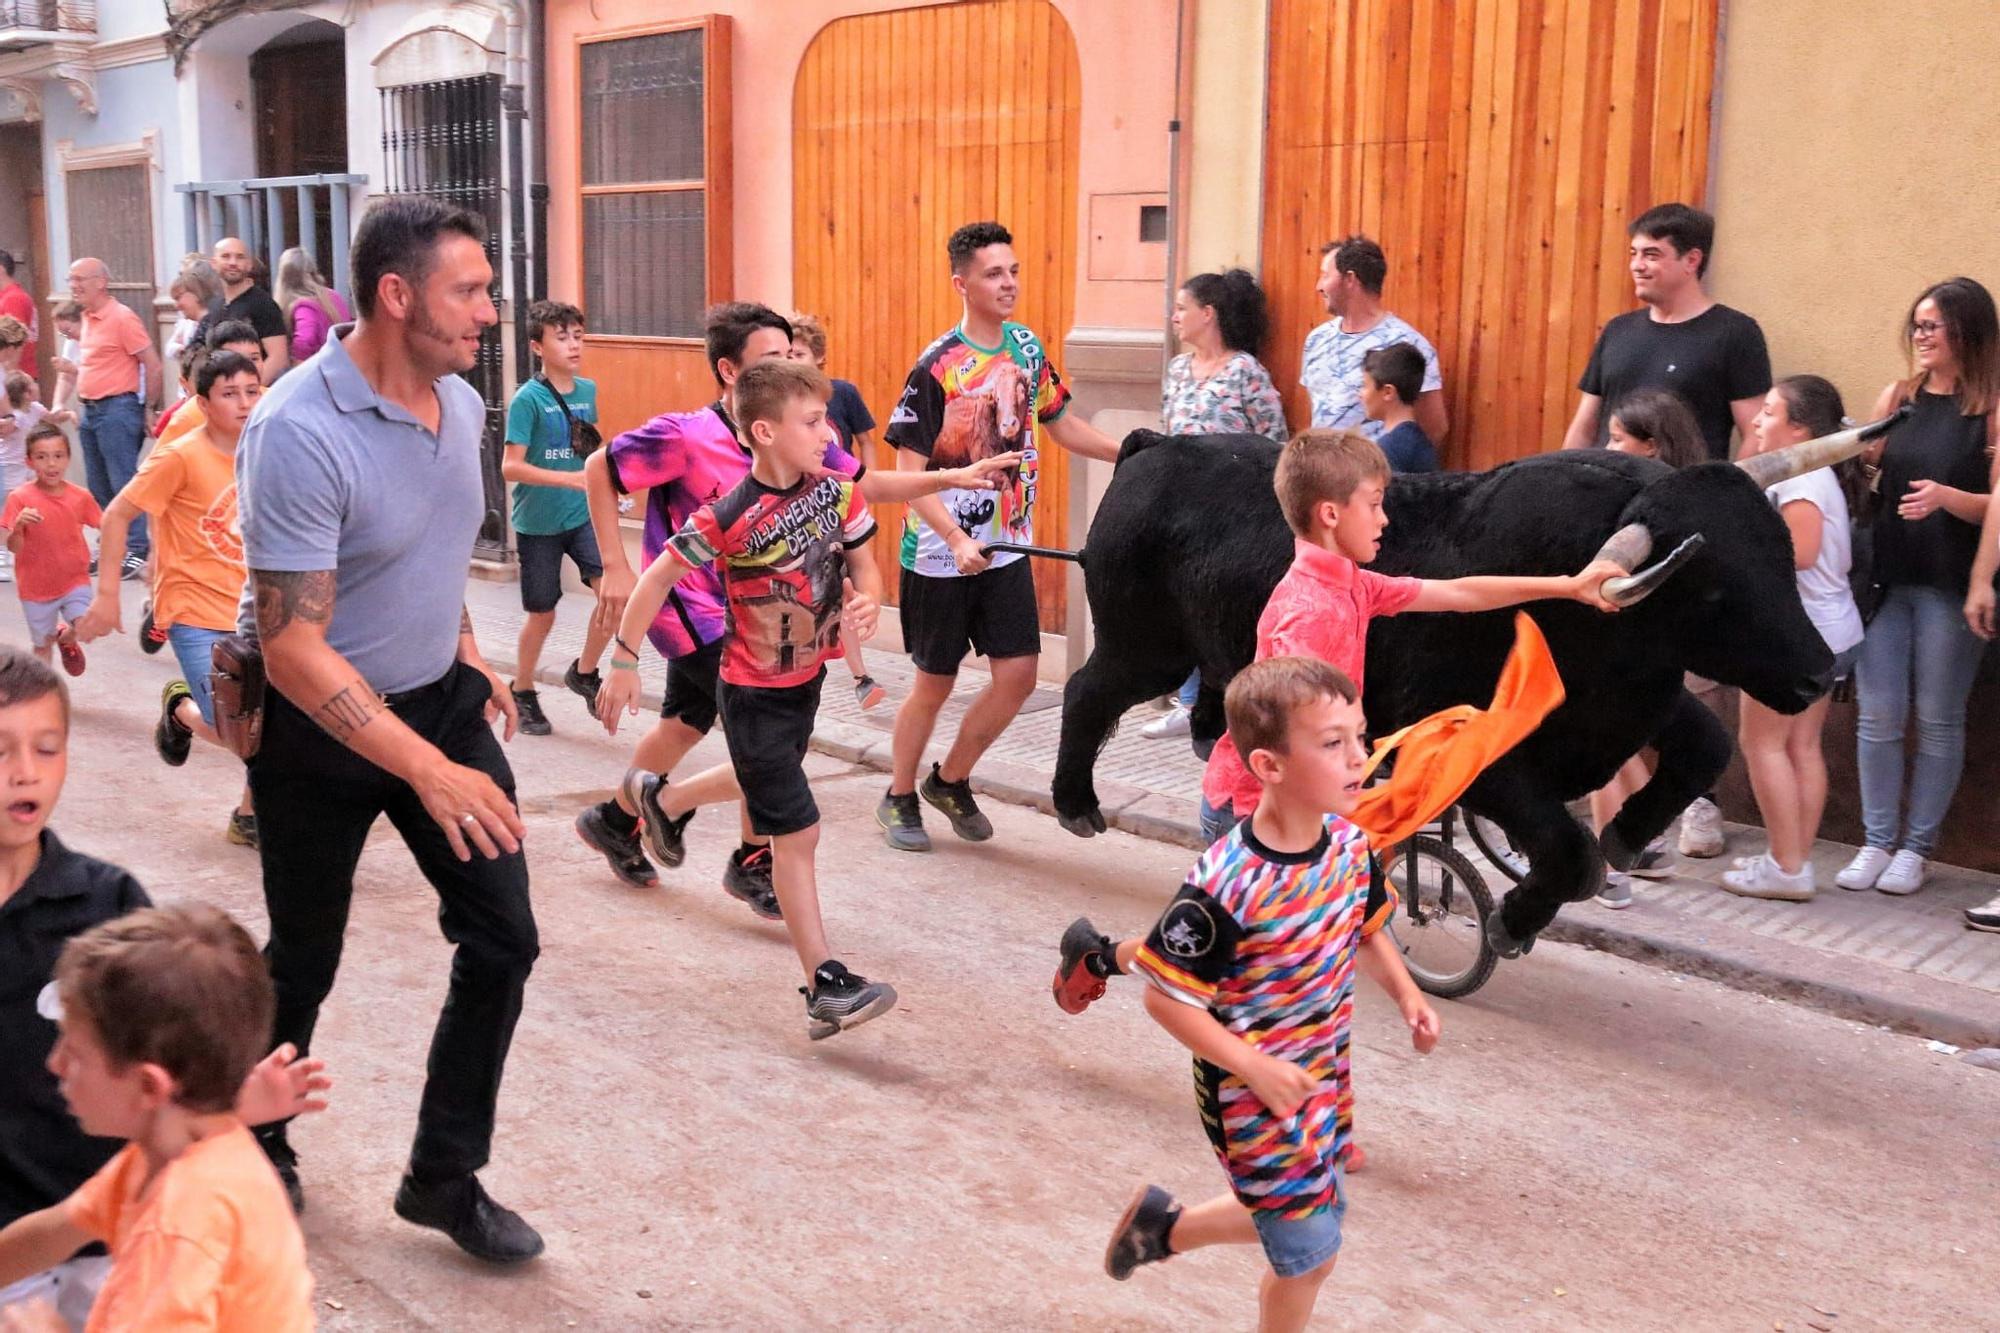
(293,610)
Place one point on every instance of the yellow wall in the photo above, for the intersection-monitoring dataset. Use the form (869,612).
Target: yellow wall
(1856,163)
(1223,137)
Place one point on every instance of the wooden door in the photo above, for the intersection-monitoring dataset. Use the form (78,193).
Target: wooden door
(300,92)
(1497,149)
(906,125)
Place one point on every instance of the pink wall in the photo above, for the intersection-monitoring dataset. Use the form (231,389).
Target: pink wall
(1125,51)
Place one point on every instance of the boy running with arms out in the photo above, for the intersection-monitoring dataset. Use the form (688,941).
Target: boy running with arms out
(788,538)
(551,513)
(1330,485)
(1252,968)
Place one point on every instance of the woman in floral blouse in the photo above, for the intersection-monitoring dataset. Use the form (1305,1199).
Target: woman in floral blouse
(1217,387)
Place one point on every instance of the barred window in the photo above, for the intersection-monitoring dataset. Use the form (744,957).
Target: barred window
(650,210)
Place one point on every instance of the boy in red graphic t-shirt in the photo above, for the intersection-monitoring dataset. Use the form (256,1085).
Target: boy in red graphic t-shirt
(791,542)
(43,522)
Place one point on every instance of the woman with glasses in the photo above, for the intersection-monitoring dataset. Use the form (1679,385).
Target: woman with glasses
(1937,470)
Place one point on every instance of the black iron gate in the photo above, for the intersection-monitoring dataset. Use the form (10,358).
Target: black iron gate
(443,140)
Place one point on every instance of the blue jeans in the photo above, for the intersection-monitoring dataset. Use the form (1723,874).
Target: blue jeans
(1214,823)
(112,432)
(193,648)
(1918,643)
(1190,689)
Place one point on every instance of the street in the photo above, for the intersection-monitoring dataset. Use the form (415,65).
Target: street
(1594,1144)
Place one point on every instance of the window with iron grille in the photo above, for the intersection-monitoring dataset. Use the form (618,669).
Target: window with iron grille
(654,179)
(111,218)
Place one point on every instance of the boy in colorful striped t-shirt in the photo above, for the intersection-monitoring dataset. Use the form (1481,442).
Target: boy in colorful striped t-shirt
(1252,968)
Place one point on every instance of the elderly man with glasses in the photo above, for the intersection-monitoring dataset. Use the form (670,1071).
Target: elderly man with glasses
(118,380)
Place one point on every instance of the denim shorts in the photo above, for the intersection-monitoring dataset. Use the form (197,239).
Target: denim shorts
(1215,823)
(1297,1247)
(541,556)
(193,648)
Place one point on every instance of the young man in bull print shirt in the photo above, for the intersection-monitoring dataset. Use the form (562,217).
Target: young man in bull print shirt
(982,388)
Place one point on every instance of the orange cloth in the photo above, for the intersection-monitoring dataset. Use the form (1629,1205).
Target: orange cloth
(189,487)
(1444,753)
(185,416)
(54,558)
(112,341)
(209,1243)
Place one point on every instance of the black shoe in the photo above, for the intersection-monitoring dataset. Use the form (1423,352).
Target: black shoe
(1087,959)
(840,1000)
(583,684)
(627,859)
(664,836)
(747,878)
(955,800)
(463,1210)
(534,722)
(1141,1235)
(902,821)
(286,1163)
(170,738)
(151,637)
(134,567)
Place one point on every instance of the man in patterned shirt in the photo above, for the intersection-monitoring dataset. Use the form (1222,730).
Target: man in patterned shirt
(1252,968)
(1351,273)
(978,390)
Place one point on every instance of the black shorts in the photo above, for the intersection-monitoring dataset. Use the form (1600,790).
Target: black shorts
(541,564)
(769,731)
(691,683)
(994,612)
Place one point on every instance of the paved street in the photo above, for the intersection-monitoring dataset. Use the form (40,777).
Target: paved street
(1596,1143)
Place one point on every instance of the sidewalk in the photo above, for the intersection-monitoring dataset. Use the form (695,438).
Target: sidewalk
(1906,963)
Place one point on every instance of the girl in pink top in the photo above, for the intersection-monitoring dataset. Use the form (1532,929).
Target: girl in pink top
(311,307)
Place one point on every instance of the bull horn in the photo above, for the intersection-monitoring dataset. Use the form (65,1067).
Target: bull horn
(1767,470)
(1635,588)
(1628,547)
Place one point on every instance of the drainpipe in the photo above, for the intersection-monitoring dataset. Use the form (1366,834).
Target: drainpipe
(514,110)
(538,125)
(1167,346)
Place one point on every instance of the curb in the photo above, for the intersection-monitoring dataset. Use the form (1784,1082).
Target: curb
(1909,1002)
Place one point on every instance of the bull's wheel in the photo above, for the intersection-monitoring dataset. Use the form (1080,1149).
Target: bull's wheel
(1439,924)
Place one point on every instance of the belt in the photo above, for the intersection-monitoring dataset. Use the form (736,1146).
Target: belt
(109,398)
(402,697)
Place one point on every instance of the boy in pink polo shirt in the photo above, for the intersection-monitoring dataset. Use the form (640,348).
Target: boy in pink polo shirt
(1330,484)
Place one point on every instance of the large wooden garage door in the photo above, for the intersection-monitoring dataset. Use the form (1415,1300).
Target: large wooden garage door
(1497,149)
(907,124)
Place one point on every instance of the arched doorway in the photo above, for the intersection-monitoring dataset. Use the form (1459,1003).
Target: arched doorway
(904,125)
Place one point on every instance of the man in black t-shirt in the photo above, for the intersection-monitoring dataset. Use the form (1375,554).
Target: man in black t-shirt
(243,299)
(1710,355)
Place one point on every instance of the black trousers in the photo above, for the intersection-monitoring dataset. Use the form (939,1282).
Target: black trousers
(316,800)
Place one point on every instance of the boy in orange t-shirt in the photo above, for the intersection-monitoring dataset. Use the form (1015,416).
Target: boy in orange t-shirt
(164,1012)
(44,521)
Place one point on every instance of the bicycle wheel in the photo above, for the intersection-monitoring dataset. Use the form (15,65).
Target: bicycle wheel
(1440,922)
(1494,844)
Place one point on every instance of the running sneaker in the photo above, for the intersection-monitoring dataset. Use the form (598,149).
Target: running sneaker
(663,835)
(840,999)
(243,829)
(1087,959)
(1141,1234)
(134,567)
(747,879)
(1502,940)
(583,684)
(1985,917)
(955,800)
(1701,829)
(152,636)
(534,722)
(902,821)
(620,850)
(867,693)
(69,650)
(1617,891)
(1357,1160)
(1653,862)
(170,737)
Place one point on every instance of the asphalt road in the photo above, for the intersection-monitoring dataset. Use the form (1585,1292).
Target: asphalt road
(1594,1144)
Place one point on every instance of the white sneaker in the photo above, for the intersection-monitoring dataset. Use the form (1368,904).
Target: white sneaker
(1174,722)
(1701,829)
(1866,867)
(1905,875)
(1985,917)
(1765,878)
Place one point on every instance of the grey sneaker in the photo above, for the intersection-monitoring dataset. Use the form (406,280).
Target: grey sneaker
(1654,862)
(902,821)
(955,800)
(534,722)
(1617,891)
(839,999)
(663,835)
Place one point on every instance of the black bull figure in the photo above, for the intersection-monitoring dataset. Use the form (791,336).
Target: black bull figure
(1188,543)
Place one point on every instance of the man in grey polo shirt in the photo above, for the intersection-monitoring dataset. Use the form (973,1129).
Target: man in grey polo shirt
(360,495)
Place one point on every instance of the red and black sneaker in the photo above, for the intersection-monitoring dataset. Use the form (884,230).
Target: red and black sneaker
(152,636)
(1087,959)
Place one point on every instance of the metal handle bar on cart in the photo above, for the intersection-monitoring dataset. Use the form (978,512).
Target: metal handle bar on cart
(1045,552)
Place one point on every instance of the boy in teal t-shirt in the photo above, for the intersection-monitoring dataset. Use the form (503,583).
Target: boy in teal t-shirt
(547,424)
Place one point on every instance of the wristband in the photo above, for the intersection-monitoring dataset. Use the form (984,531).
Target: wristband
(617,665)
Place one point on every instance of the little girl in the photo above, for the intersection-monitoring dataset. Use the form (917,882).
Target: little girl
(1651,423)
(1787,766)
